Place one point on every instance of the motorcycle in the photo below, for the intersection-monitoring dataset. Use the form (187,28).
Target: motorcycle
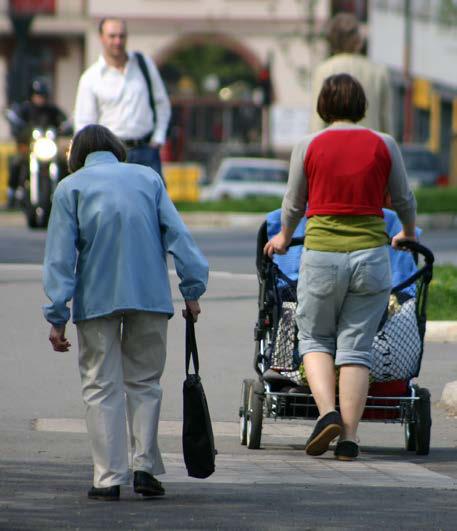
(40,174)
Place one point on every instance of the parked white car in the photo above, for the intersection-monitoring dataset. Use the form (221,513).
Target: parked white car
(240,177)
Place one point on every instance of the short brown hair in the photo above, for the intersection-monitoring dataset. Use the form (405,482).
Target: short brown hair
(343,34)
(105,19)
(93,138)
(341,98)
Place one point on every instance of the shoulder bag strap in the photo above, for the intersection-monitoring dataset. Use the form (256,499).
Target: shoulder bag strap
(144,70)
(191,345)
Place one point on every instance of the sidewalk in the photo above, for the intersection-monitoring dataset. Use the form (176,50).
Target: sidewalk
(278,488)
(45,463)
(281,467)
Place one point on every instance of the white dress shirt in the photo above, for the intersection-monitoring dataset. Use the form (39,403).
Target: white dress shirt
(119,100)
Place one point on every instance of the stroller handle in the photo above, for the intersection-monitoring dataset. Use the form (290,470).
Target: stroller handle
(294,242)
(415,247)
(405,245)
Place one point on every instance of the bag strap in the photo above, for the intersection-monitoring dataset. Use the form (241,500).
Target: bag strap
(144,70)
(191,345)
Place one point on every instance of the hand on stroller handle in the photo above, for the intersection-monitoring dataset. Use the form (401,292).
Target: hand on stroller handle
(415,247)
(278,244)
(402,245)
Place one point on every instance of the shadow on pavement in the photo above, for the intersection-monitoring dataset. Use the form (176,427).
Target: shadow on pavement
(47,497)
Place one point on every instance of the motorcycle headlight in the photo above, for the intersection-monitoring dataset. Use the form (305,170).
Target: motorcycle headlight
(45,149)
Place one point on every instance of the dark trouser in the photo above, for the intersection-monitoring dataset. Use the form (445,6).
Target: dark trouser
(147,156)
(17,174)
(17,164)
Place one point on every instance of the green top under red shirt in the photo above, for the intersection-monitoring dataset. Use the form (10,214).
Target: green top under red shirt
(342,174)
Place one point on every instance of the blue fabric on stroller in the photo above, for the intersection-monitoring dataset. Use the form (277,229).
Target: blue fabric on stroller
(391,357)
(402,263)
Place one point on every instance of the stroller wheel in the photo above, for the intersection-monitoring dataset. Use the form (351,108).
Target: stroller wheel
(245,387)
(255,415)
(410,436)
(423,421)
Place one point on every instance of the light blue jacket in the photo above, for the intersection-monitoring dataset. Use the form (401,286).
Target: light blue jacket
(110,228)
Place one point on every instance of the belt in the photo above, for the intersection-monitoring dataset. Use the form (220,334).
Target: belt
(137,142)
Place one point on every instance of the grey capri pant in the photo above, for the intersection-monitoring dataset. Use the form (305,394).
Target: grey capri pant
(341,300)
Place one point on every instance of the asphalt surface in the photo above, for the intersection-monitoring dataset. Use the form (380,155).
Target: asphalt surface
(228,249)
(45,465)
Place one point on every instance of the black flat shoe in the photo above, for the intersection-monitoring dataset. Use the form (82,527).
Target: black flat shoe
(146,484)
(346,450)
(105,494)
(326,429)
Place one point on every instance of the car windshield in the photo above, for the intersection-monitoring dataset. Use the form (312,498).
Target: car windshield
(419,160)
(253,174)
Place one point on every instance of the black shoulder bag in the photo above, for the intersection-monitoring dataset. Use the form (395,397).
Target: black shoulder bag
(197,432)
(144,70)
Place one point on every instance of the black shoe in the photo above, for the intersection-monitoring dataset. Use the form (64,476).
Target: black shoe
(146,484)
(325,430)
(105,494)
(346,450)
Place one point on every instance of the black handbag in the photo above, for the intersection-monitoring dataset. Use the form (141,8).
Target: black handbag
(197,432)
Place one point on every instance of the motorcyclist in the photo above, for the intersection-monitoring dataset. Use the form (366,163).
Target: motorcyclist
(37,112)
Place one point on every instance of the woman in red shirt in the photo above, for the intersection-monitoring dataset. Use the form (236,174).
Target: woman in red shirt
(340,176)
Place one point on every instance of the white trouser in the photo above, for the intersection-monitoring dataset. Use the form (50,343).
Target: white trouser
(121,360)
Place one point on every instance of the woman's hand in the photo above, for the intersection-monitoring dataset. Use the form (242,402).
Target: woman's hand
(396,240)
(194,308)
(58,340)
(277,245)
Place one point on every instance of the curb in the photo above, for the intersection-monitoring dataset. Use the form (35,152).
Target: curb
(441,331)
(241,220)
(437,221)
(222,220)
(449,397)
(251,221)
(12,219)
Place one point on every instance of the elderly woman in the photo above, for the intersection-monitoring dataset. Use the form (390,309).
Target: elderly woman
(342,174)
(111,227)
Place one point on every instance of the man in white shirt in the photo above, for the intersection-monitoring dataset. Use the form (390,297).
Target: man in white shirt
(113,92)
(346,42)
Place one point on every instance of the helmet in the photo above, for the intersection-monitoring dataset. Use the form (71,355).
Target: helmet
(39,87)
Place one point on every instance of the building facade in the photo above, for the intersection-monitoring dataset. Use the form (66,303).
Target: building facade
(432,29)
(279,38)
(55,47)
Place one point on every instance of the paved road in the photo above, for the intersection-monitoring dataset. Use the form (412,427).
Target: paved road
(227,249)
(44,456)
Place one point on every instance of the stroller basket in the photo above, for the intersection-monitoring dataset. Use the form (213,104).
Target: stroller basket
(302,405)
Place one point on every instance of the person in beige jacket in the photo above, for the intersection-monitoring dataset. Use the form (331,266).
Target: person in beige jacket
(346,42)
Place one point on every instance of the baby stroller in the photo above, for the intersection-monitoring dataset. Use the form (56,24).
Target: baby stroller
(280,391)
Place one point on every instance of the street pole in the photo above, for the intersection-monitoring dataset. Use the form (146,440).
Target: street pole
(19,75)
(408,98)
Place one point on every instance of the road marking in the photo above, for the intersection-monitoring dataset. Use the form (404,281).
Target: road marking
(212,274)
(174,427)
(21,267)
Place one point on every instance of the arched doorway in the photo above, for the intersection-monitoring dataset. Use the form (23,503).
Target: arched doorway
(213,83)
